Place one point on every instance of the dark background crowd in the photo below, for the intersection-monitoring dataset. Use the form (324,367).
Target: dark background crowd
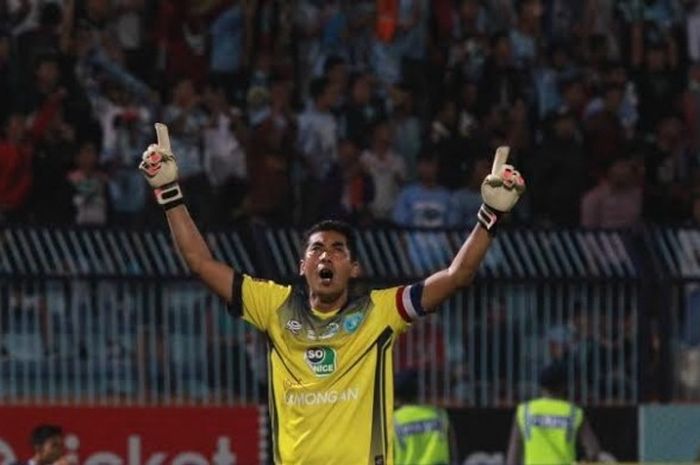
(376,111)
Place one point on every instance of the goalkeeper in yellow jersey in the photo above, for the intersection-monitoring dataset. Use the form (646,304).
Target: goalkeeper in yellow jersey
(329,361)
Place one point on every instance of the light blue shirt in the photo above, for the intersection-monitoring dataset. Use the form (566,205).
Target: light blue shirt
(422,207)
(465,206)
(227,40)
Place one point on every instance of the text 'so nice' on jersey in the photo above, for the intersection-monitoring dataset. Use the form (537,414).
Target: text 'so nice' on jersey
(330,379)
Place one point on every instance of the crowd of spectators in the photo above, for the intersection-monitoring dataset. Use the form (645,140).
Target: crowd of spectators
(376,111)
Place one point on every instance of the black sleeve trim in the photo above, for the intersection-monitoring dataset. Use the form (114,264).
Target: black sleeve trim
(235,306)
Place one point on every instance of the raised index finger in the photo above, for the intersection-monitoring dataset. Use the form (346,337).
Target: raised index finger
(500,159)
(163,136)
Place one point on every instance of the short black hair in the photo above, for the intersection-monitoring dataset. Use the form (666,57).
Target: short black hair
(427,155)
(50,15)
(331,62)
(318,86)
(43,433)
(554,378)
(45,57)
(334,225)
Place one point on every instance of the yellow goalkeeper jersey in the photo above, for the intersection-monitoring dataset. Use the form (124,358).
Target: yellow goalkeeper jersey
(330,376)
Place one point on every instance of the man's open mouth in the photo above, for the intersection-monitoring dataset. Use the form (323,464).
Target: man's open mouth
(326,275)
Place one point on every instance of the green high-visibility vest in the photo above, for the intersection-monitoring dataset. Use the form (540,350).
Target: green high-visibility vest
(422,436)
(549,428)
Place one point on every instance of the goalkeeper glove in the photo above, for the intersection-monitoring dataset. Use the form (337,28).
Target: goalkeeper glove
(159,167)
(500,191)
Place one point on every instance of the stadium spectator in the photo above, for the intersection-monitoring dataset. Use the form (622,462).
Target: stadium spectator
(42,40)
(188,120)
(603,131)
(466,201)
(425,203)
(15,169)
(559,179)
(89,185)
(357,185)
(227,33)
(271,158)
(423,434)
(362,111)
(224,157)
(616,201)
(500,84)
(525,36)
(56,144)
(670,167)
(467,118)
(180,39)
(317,144)
(408,129)
(7,74)
(387,169)
(547,429)
(47,445)
(657,80)
(691,105)
(335,69)
(448,145)
(499,346)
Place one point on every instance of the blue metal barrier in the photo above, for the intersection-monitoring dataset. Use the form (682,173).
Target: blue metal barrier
(112,317)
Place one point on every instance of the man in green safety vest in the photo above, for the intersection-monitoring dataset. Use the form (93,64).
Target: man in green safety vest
(423,435)
(545,430)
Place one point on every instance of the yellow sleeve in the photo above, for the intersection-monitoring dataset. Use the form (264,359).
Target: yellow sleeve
(256,300)
(387,304)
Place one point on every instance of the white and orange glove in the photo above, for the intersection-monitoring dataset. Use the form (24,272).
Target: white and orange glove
(500,191)
(159,167)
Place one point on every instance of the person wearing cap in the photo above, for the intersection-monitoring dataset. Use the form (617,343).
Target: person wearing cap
(423,435)
(546,430)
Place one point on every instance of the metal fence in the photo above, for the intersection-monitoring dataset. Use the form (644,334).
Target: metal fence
(676,255)
(111,316)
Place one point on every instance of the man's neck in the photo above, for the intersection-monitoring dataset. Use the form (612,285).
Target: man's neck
(326,303)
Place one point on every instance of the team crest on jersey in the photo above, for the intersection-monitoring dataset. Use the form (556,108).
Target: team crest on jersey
(321,360)
(351,322)
(293,326)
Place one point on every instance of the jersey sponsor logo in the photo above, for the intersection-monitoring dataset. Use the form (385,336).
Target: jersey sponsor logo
(352,322)
(321,397)
(321,360)
(293,326)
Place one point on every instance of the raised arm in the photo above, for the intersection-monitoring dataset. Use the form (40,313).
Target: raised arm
(160,169)
(500,191)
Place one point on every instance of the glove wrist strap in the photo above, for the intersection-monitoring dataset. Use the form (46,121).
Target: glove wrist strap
(169,195)
(488,218)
